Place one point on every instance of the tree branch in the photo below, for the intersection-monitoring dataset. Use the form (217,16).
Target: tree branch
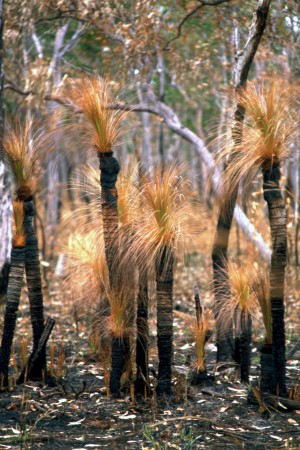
(189,15)
(13,87)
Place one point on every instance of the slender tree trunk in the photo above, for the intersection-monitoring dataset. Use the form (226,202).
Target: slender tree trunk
(34,285)
(245,346)
(5,197)
(12,305)
(164,292)
(278,219)
(142,377)
(110,168)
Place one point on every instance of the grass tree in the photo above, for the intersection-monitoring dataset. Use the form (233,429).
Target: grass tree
(240,307)
(166,220)
(268,131)
(23,145)
(101,128)
(14,289)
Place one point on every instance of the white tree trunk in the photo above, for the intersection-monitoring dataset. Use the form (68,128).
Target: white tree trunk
(5,216)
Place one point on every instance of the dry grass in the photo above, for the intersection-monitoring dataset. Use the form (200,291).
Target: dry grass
(269,129)
(102,126)
(19,239)
(23,146)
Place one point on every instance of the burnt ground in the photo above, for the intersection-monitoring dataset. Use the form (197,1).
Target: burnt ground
(78,414)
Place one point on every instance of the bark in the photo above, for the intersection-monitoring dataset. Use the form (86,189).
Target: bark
(4,276)
(117,366)
(142,377)
(12,305)
(278,219)
(266,367)
(164,292)
(110,168)
(34,285)
(245,347)
(243,63)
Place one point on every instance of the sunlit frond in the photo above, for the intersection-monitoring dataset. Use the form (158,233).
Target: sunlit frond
(269,129)
(166,215)
(242,298)
(23,146)
(93,97)
(262,291)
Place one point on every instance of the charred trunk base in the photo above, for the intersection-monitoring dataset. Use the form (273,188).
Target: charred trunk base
(164,344)
(117,366)
(198,377)
(266,368)
(142,377)
(225,348)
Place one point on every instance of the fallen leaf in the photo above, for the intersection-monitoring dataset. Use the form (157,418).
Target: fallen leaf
(71,424)
(276,437)
(127,417)
(224,408)
(12,407)
(292,421)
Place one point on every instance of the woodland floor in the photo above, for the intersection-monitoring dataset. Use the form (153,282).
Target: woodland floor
(77,414)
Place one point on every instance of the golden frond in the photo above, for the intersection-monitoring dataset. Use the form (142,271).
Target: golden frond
(119,324)
(261,287)
(241,300)
(94,97)
(128,202)
(23,146)
(19,234)
(166,215)
(268,130)
(200,329)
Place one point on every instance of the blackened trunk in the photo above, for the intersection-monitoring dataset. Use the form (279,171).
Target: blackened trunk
(266,367)
(142,377)
(110,168)
(164,292)
(4,276)
(277,218)
(12,305)
(34,286)
(245,346)
(117,366)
